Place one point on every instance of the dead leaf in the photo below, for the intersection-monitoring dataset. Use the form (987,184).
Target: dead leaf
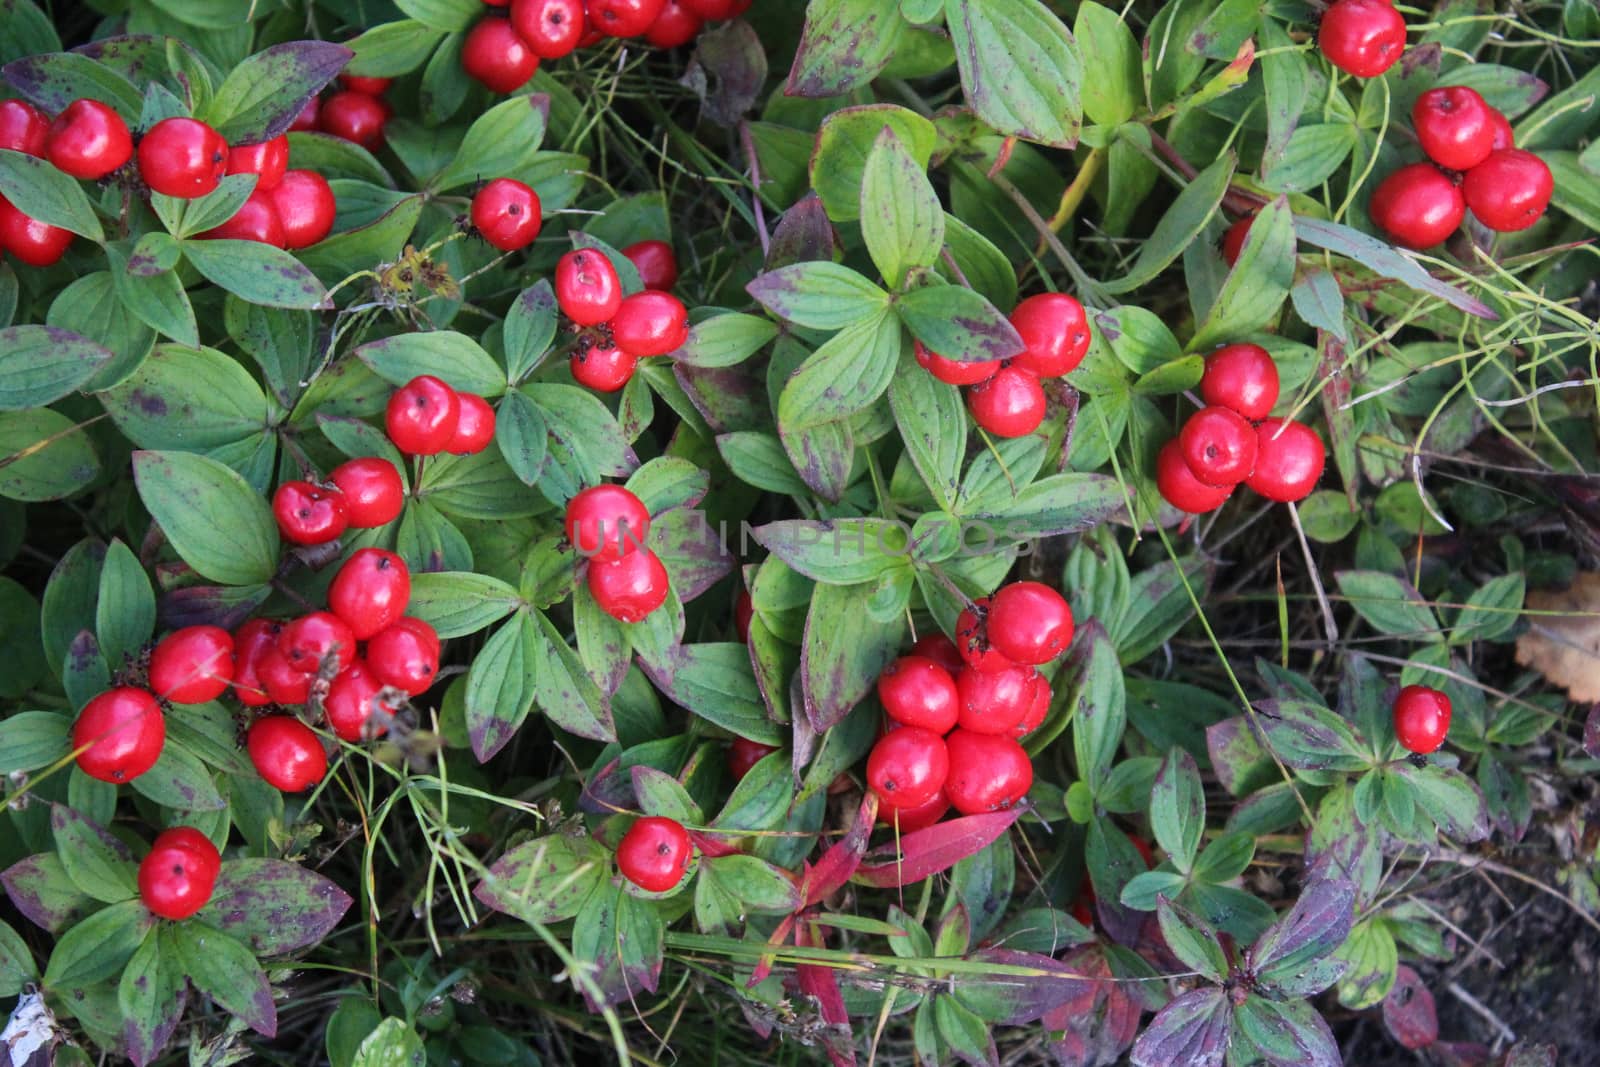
(1565,648)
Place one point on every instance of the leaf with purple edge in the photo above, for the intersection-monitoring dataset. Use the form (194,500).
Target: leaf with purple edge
(819,295)
(621,936)
(567,695)
(274,906)
(1192,940)
(839,659)
(1282,960)
(714,680)
(1290,1034)
(1409,1012)
(1193,1030)
(1386,260)
(41,890)
(98,864)
(151,995)
(261,96)
(545,880)
(1011,999)
(225,970)
(1453,800)
(845,44)
(1309,737)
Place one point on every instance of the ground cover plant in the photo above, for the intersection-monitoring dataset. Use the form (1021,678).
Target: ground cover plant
(865,531)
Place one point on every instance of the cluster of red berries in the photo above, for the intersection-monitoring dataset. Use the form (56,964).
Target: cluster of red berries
(1362,37)
(607,525)
(1421,719)
(957,709)
(1007,396)
(1232,440)
(356,112)
(502,53)
(614,331)
(1473,163)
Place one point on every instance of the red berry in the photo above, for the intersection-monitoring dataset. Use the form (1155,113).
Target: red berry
(38,244)
(994,702)
(1362,37)
(716,10)
(603,368)
(941,650)
(306,120)
(744,610)
(406,656)
(309,514)
(654,854)
(371,86)
(179,875)
(972,639)
(988,772)
(954,371)
(623,18)
(474,427)
(908,767)
(1037,710)
(1242,377)
(744,754)
(192,665)
(1180,488)
(88,140)
(606,522)
(674,27)
(1233,240)
(422,415)
(257,220)
(507,213)
(1288,462)
(1010,404)
(352,706)
(23,127)
(306,208)
(1056,331)
(1029,622)
(1219,444)
(1421,718)
(655,262)
(919,692)
(183,158)
(121,732)
(910,820)
(355,117)
(630,588)
(284,684)
(588,290)
(370,592)
(1417,205)
(651,323)
(311,641)
(1454,125)
(1503,136)
(494,55)
(551,28)
(286,753)
(251,642)
(373,492)
(1509,191)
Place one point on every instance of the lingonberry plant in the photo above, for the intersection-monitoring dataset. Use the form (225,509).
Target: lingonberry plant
(851,531)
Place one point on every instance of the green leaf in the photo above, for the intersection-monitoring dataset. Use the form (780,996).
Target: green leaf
(158,300)
(1099,705)
(1575,191)
(1320,304)
(1115,91)
(392,1044)
(502,142)
(55,79)
(1386,260)
(262,95)
(958,323)
(227,972)
(391,49)
(1258,283)
(986,267)
(847,374)
(545,880)
(1311,156)
(16,962)
(39,365)
(839,551)
(44,455)
(901,219)
(454,357)
(845,140)
(257,272)
(1192,940)
(42,192)
(190,399)
(1059,504)
(1020,68)
(1491,611)
(180,781)
(530,326)
(1180,225)
(840,658)
(933,427)
(459,604)
(33,739)
(447,15)
(1226,857)
(759,459)
(216,207)
(97,863)
(337,257)
(125,615)
(1310,737)
(1391,605)
(1286,77)
(668,482)
(845,44)
(819,295)
(149,996)
(213,519)
(585,443)
(725,340)
(1451,799)
(717,681)
(1178,808)
(501,685)
(569,698)
(25,30)
(98,947)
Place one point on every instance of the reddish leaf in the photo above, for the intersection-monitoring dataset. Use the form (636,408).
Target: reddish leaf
(938,848)
(1408,1010)
(711,844)
(821,983)
(1016,999)
(837,864)
(1101,1019)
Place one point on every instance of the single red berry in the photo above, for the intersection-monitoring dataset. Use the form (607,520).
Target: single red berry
(943,651)
(1233,240)
(601,367)
(180,873)
(954,371)
(474,427)
(994,702)
(655,853)
(370,592)
(373,492)
(38,244)
(1143,849)
(1289,461)
(1037,710)
(606,522)
(919,692)
(1219,444)
(1362,37)
(507,213)
(354,117)
(306,207)
(1417,205)
(88,140)
(1454,125)
(717,10)
(1010,404)
(371,86)
(1503,135)
(744,754)
(286,753)
(674,27)
(588,290)
(744,611)
(910,820)
(1421,718)
(315,639)
(308,514)
(494,55)
(988,772)
(353,707)
(306,120)
(908,767)
(251,642)
(972,639)
(552,28)
(1243,378)
(1509,191)
(406,656)
(651,323)
(655,262)
(1029,622)
(284,684)
(256,220)
(1056,331)
(182,157)
(630,588)
(23,127)
(192,665)
(623,18)
(121,733)
(1180,488)
(422,415)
